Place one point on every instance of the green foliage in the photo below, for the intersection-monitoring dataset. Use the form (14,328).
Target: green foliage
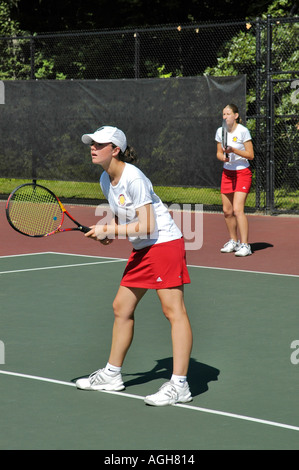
(12,63)
(279,9)
(45,68)
(238,56)
(15,61)
(8,27)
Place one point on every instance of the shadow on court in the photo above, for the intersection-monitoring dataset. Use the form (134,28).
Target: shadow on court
(199,375)
(260,246)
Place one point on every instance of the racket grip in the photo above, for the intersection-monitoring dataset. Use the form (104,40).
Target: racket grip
(84,229)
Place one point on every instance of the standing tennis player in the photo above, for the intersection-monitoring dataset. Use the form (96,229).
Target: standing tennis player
(156,262)
(236,179)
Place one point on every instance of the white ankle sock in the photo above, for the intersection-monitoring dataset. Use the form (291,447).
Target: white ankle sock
(112,370)
(179,379)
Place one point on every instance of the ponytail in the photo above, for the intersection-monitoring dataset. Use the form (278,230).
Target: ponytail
(128,156)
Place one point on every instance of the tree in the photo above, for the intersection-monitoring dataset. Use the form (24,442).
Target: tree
(12,59)
(15,51)
(238,56)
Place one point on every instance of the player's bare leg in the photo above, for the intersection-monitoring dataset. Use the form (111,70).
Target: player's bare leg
(173,306)
(229,216)
(124,306)
(242,221)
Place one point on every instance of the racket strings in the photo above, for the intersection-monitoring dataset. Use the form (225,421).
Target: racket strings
(35,211)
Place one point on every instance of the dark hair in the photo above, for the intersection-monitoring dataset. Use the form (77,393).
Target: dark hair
(129,155)
(235,110)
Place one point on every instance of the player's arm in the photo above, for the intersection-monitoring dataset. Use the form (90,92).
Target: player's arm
(145,225)
(248,153)
(97,231)
(106,240)
(220,153)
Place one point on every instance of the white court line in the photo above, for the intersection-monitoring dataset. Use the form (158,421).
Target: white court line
(242,270)
(83,256)
(62,254)
(178,405)
(23,254)
(59,267)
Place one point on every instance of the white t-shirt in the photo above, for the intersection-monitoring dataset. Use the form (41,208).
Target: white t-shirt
(236,140)
(135,190)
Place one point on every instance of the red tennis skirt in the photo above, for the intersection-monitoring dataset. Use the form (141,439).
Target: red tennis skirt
(159,266)
(236,181)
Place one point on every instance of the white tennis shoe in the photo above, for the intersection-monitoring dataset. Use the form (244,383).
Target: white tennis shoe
(99,380)
(244,250)
(230,246)
(169,394)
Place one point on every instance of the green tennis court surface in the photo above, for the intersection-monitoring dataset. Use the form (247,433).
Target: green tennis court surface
(56,320)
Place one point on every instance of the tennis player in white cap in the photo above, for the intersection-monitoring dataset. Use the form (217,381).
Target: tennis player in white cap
(157,262)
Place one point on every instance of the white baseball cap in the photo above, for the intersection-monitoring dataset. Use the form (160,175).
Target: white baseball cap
(106,134)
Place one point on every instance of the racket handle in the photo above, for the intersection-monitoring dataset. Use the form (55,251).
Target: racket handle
(84,229)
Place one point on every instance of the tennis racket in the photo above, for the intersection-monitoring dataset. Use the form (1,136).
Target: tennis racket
(35,211)
(224,135)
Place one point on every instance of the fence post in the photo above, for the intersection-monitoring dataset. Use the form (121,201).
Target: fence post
(137,55)
(269,120)
(258,139)
(32,58)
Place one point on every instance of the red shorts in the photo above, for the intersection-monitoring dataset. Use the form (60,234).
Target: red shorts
(236,181)
(159,266)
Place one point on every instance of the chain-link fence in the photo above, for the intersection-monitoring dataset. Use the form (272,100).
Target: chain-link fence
(266,51)
(185,50)
(283,114)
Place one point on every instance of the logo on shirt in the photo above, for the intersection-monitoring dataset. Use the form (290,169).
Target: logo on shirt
(121,200)
(235,139)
